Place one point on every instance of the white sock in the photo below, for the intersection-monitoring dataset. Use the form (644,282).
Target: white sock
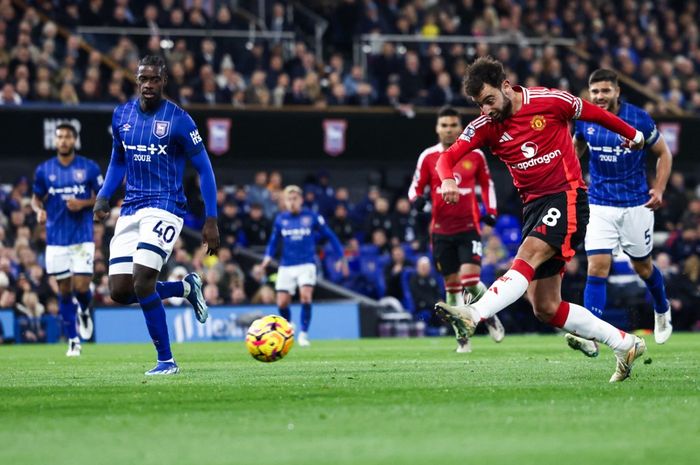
(579,321)
(186,286)
(506,290)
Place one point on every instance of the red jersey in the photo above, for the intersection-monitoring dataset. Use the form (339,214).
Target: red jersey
(452,219)
(535,143)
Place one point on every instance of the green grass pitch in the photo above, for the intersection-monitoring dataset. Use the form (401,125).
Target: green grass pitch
(528,400)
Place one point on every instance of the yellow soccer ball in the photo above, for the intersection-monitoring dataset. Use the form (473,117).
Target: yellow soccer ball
(269,338)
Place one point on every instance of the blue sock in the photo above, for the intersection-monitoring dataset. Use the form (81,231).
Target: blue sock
(655,283)
(594,295)
(157,325)
(84,299)
(286,313)
(69,311)
(305,317)
(167,289)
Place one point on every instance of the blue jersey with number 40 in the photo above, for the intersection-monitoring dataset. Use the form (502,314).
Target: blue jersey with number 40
(154,147)
(618,174)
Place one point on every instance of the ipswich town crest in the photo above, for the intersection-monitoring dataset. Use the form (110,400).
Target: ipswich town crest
(79,176)
(334,136)
(161,128)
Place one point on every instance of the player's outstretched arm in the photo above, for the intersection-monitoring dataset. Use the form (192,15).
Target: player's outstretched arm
(663,171)
(594,114)
(210,231)
(341,264)
(470,139)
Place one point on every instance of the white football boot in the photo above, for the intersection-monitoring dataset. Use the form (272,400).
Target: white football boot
(588,347)
(303,339)
(625,360)
(662,326)
(74,347)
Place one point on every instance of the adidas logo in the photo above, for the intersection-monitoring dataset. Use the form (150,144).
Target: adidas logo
(542,229)
(505,138)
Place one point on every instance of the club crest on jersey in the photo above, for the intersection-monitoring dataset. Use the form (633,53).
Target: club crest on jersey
(161,128)
(306,221)
(334,136)
(79,175)
(467,165)
(52,177)
(538,122)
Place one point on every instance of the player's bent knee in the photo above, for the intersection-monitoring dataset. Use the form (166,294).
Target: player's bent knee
(121,296)
(545,311)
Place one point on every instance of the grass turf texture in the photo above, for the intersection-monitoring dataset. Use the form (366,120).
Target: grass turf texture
(529,400)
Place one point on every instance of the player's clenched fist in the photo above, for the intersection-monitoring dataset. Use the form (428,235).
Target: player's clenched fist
(210,235)
(450,191)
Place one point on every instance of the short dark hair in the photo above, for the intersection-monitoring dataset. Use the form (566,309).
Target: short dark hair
(601,75)
(485,70)
(154,60)
(448,111)
(68,126)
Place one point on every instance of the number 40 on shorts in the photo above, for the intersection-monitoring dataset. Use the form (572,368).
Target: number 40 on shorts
(166,233)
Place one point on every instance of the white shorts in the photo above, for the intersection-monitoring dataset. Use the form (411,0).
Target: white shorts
(289,277)
(628,228)
(147,237)
(63,261)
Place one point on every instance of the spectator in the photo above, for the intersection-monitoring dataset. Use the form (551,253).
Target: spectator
(256,227)
(341,225)
(425,291)
(403,222)
(393,272)
(380,218)
(29,323)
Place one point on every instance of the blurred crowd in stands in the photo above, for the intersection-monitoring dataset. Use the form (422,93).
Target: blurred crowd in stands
(385,242)
(43,58)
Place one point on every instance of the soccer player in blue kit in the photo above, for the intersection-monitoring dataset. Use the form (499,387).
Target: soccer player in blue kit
(152,139)
(63,194)
(297,228)
(621,203)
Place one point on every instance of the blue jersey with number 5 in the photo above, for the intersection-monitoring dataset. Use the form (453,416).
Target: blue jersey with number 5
(154,147)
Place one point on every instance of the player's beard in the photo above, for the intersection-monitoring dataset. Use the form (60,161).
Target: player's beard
(66,154)
(504,112)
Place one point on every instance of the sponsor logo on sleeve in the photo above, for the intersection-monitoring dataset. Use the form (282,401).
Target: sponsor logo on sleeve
(468,133)
(196,138)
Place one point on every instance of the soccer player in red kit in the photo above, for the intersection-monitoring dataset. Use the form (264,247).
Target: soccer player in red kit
(528,129)
(455,232)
